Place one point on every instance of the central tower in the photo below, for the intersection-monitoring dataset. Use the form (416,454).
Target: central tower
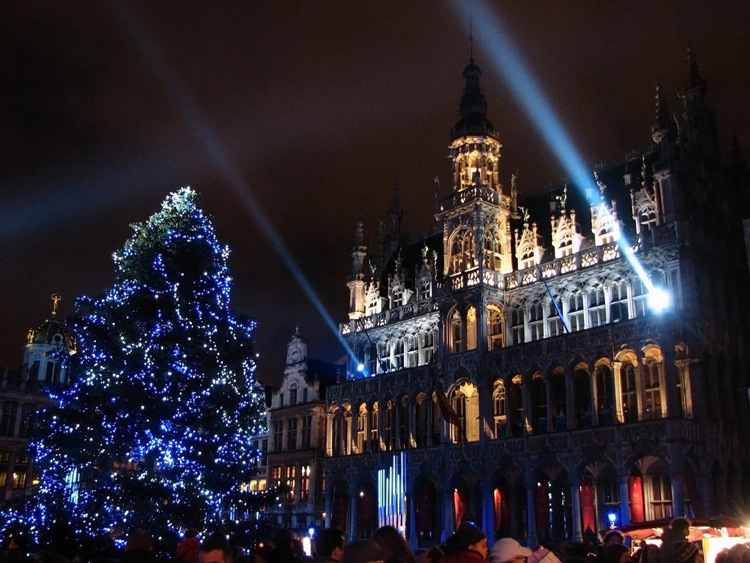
(476,218)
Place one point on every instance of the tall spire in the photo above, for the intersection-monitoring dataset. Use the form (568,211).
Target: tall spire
(473,105)
(694,79)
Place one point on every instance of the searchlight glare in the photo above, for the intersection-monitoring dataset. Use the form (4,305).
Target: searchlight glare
(658,300)
(360,367)
(509,64)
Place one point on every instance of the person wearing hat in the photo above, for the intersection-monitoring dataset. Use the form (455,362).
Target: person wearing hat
(470,545)
(508,550)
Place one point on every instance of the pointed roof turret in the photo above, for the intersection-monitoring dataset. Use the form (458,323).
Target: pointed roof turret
(473,106)
(694,79)
(663,120)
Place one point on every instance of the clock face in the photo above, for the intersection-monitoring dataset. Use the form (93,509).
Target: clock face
(296,354)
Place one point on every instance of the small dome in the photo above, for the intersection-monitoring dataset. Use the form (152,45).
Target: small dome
(52,332)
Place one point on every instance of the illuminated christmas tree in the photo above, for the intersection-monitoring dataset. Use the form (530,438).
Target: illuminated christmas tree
(157,429)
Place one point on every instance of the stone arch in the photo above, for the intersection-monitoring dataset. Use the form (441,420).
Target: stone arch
(553,492)
(462,247)
(582,394)
(465,485)
(538,402)
(515,405)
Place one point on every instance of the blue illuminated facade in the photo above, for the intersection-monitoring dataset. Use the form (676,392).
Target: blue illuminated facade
(589,340)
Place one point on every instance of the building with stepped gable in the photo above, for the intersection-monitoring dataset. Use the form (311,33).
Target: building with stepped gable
(590,342)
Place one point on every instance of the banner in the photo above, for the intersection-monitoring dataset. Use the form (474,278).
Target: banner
(635,491)
(588,512)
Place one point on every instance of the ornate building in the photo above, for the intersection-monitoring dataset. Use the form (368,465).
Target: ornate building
(23,394)
(592,346)
(297,435)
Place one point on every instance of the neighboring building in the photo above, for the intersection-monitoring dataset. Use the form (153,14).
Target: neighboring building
(23,394)
(297,438)
(577,394)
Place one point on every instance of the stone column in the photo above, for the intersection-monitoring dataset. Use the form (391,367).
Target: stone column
(678,500)
(449,520)
(353,501)
(412,518)
(624,501)
(488,514)
(575,499)
(329,503)
(669,383)
(531,512)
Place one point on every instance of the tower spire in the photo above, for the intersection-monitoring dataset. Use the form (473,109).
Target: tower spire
(662,112)
(473,105)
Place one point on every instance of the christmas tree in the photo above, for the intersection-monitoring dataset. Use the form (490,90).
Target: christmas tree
(157,429)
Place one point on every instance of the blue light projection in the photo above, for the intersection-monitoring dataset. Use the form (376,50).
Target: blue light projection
(509,64)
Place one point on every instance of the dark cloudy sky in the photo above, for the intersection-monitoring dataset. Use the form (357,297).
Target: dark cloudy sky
(105,107)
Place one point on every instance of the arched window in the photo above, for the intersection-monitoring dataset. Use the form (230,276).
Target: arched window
(517,330)
(498,408)
(652,369)
(494,328)
(374,428)
(582,396)
(604,392)
(403,423)
(435,429)
(471,329)
(516,406)
(462,251)
(456,332)
(558,394)
(465,403)
(538,403)
(388,425)
(628,391)
(362,429)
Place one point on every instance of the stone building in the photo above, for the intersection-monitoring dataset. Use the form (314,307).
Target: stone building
(297,437)
(24,393)
(590,342)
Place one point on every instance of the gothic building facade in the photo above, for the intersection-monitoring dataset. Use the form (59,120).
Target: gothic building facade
(297,436)
(541,369)
(24,393)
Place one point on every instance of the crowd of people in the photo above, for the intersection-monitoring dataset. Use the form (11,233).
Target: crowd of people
(468,544)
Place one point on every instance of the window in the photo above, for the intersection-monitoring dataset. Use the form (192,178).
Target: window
(374,427)
(456,332)
(558,394)
(361,429)
(388,426)
(471,329)
(8,419)
(516,326)
(604,393)
(435,429)
(4,466)
(397,359)
(661,497)
(459,407)
(264,451)
(292,396)
(291,436)
(304,395)
(304,484)
(428,348)
(494,329)
(538,403)
(498,408)
(306,431)
(403,423)
(278,434)
(412,352)
(536,322)
(652,369)
(618,306)
(597,308)
(629,389)
(554,322)
(281,399)
(639,298)
(35,370)
(290,475)
(576,313)
(27,420)
(276,476)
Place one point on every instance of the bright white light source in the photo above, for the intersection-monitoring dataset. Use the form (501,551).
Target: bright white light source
(360,367)
(658,299)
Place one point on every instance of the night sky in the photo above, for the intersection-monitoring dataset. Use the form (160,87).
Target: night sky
(106,107)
